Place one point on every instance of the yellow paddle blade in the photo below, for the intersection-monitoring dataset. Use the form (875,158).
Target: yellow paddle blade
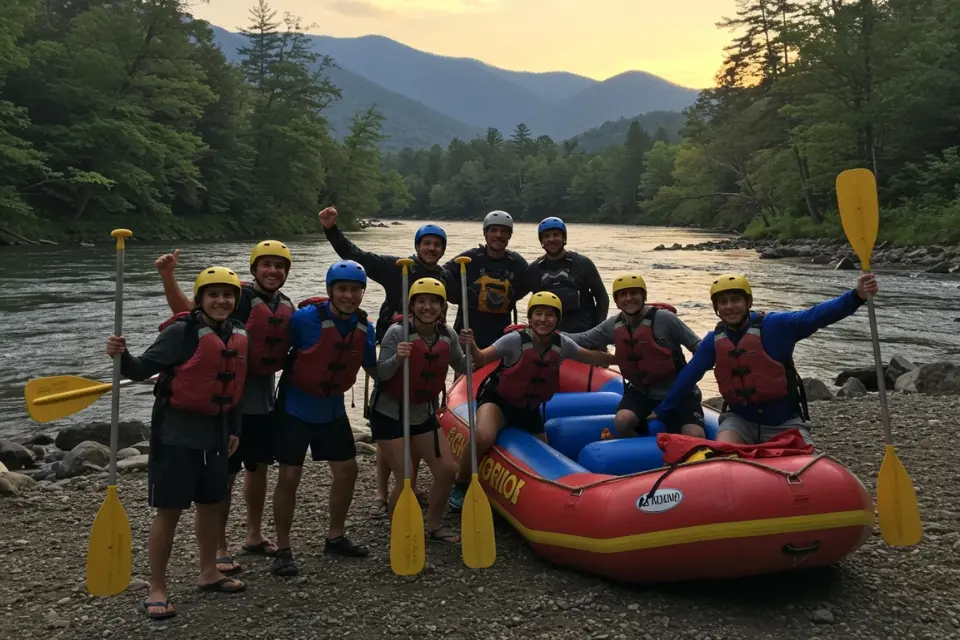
(478,543)
(859,211)
(898,511)
(406,534)
(109,559)
(60,396)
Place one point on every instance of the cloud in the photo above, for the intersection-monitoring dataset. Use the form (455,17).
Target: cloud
(394,8)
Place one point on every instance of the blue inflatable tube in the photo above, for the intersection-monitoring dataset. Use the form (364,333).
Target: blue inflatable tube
(582,403)
(621,457)
(570,434)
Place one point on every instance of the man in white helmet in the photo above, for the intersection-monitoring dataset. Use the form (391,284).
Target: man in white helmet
(496,279)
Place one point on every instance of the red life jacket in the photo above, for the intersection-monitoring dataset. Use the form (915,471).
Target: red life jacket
(428,368)
(212,379)
(330,367)
(745,373)
(535,378)
(268,331)
(639,357)
(314,300)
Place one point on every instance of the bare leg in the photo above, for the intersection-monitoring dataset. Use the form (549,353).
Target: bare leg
(159,546)
(285,502)
(341,494)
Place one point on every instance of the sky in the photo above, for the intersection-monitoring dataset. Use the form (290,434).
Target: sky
(676,40)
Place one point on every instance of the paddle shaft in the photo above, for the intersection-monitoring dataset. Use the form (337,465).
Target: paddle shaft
(115,391)
(471,410)
(881,376)
(406,377)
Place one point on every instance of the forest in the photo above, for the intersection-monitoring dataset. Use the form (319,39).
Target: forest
(126,112)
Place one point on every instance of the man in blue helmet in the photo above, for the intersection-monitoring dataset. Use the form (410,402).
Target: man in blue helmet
(496,279)
(329,343)
(570,276)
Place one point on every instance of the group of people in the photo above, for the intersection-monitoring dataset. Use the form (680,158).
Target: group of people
(218,407)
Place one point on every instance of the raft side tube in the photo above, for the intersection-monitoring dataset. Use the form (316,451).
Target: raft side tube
(570,434)
(519,445)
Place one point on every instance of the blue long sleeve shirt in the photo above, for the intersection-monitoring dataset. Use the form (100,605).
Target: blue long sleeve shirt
(781,332)
(305,331)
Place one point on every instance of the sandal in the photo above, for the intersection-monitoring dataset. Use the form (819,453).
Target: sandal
(220,586)
(232,565)
(378,509)
(262,548)
(167,611)
(283,564)
(341,546)
(442,534)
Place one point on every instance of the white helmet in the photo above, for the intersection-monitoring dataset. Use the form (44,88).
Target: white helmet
(501,218)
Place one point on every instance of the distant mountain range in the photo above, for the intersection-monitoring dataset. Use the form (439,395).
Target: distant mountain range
(430,99)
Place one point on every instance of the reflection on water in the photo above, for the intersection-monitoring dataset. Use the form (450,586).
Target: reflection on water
(57,302)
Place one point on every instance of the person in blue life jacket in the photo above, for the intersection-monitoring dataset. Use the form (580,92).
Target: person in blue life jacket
(647,341)
(751,354)
(201,356)
(429,243)
(330,342)
(432,349)
(265,312)
(496,280)
(527,377)
(570,276)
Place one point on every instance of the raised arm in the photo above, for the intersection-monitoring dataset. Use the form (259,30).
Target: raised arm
(177,300)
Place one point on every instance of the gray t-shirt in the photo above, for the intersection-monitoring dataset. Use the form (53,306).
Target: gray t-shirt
(668,330)
(258,394)
(388,366)
(509,348)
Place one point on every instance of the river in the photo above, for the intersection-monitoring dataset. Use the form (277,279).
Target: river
(56,302)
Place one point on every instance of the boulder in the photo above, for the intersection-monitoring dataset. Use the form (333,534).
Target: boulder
(41,439)
(133,463)
(852,388)
(85,453)
(867,376)
(816,390)
(939,377)
(12,483)
(15,456)
(899,366)
(142,447)
(131,433)
(128,452)
(907,383)
(845,264)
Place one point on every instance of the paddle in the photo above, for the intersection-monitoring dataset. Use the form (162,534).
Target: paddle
(57,397)
(406,528)
(109,561)
(897,507)
(478,544)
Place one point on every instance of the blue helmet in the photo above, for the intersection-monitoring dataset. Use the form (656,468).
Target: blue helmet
(429,230)
(551,223)
(346,270)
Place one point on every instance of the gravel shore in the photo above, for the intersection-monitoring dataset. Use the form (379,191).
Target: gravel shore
(879,592)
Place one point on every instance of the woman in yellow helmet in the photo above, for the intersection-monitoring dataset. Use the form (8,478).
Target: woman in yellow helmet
(432,349)
(648,340)
(265,312)
(751,354)
(202,358)
(528,376)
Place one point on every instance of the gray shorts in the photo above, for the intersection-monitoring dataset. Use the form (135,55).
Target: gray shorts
(753,433)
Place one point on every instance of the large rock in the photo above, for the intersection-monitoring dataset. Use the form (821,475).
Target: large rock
(899,366)
(816,390)
(939,377)
(852,388)
(907,383)
(15,456)
(867,376)
(85,453)
(131,433)
(12,483)
(133,463)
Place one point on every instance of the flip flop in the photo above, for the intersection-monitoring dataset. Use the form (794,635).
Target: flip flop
(237,567)
(260,548)
(159,616)
(220,586)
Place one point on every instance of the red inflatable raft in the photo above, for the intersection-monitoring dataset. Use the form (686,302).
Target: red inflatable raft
(717,518)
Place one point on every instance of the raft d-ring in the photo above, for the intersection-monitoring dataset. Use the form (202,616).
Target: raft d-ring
(791,550)
(794,480)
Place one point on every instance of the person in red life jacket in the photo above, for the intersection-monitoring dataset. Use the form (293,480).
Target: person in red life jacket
(331,341)
(648,343)
(201,356)
(432,349)
(266,313)
(751,354)
(429,243)
(528,376)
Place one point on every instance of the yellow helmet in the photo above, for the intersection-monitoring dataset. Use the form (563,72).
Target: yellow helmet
(270,248)
(731,282)
(428,285)
(629,281)
(544,299)
(216,275)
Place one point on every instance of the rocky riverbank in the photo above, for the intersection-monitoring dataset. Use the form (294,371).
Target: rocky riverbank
(933,259)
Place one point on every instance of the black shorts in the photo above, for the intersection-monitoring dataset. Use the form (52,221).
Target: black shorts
(386,428)
(530,420)
(689,411)
(178,477)
(332,441)
(256,442)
